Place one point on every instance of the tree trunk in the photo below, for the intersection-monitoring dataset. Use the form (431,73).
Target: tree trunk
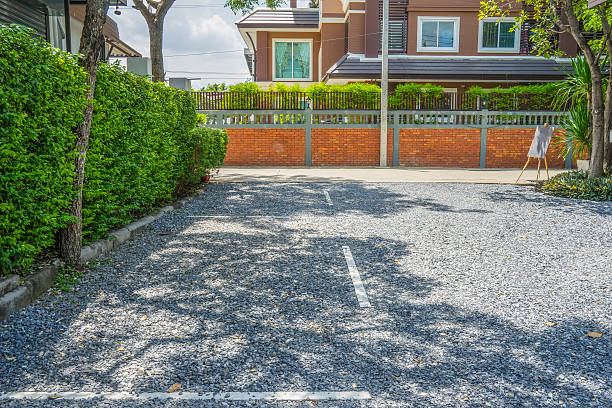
(156,38)
(92,41)
(608,121)
(599,126)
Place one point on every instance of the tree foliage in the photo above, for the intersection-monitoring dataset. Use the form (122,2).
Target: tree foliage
(551,18)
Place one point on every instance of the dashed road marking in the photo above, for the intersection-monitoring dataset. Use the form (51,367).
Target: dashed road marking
(362,296)
(226,396)
(328,198)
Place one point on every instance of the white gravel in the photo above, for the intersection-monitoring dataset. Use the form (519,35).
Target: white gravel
(481,295)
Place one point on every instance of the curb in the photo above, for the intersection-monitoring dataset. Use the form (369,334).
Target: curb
(15,295)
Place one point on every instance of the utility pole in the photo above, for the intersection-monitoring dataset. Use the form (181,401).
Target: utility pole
(384,84)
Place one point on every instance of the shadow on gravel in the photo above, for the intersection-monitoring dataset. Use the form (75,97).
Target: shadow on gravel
(286,199)
(252,305)
(566,205)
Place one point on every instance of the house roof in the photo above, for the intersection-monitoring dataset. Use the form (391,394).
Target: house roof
(111,34)
(510,69)
(280,18)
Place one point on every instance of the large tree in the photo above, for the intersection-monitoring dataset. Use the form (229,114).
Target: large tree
(551,18)
(90,50)
(154,13)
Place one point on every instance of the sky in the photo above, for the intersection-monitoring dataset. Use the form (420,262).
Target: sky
(192,27)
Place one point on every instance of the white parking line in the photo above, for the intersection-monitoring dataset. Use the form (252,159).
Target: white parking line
(362,296)
(328,198)
(227,396)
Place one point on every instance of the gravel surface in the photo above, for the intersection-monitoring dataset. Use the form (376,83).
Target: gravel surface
(481,295)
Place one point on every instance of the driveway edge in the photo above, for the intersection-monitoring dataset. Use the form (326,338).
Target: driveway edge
(19,296)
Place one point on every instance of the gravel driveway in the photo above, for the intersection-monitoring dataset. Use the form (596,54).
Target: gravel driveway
(481,295)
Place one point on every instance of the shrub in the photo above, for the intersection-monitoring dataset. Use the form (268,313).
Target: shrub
(142,148)
(139,151)
(41,99)
(520,97)
(576,184)
(406,95)
(211,145)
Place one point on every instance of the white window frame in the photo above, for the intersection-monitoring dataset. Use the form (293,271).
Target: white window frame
(517,39)
(423,19)
(274,41)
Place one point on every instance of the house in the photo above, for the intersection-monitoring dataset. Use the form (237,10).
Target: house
(60,22)
(440,41)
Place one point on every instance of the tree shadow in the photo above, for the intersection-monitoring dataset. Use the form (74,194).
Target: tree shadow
(267,305)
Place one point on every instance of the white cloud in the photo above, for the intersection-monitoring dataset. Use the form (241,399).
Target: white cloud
(189,31)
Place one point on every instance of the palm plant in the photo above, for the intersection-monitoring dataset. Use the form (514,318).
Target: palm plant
(576,88)
(576,136)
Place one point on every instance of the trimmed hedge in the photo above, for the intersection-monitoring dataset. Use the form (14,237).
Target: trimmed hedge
(142,152)
(576,184)
(42,95)
(140,145)
(516,98)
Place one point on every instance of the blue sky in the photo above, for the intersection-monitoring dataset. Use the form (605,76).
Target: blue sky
(207,27)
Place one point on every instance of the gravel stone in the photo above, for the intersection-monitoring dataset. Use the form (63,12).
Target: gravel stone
(481,295)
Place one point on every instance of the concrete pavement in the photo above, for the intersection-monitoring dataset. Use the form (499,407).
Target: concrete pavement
(378,175)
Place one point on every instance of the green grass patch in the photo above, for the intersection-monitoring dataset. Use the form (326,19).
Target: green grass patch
(67,278)
(576,184)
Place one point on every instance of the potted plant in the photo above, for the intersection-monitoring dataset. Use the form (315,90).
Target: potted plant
(576,136)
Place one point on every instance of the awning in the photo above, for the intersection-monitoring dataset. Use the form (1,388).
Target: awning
(501,69)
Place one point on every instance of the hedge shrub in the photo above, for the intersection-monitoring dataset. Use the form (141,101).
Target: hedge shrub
(41,99)
(520,97)
(143,150)
(139,151)
(576,184)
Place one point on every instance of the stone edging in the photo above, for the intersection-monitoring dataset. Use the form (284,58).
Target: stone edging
(15,295)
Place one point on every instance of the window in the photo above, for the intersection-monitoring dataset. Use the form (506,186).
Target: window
(497,35)
(292,60)
(438,34)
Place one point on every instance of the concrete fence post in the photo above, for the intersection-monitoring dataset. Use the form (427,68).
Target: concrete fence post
(484,127)
(308,137)
(396,136)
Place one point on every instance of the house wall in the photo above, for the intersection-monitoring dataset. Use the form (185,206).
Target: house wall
(356,31)
(332,36)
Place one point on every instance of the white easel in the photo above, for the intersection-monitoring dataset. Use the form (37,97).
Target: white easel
(539,164)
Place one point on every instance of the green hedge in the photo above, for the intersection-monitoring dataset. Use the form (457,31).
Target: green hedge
(140,146)
(576,184)
(143,150)
(41,100)
(516,98)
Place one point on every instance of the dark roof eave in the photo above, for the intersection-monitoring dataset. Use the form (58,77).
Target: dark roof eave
(447,77)
(254,25)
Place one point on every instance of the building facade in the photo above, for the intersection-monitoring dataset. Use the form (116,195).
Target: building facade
(60,23)
(440,42)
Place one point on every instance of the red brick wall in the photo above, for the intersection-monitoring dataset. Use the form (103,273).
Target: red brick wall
(265,147)
(348,147)
(439,147)
(360,147)
(509,147)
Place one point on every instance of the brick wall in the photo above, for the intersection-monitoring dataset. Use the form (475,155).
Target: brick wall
(348,147)
(265,147)
(439,147)
(506,148)
(509,147)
